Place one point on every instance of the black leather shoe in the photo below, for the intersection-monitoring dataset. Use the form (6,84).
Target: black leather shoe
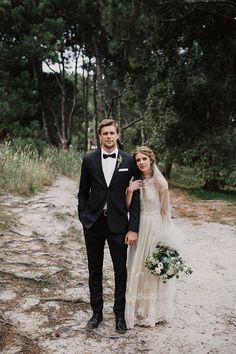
(121,325)
(94,321)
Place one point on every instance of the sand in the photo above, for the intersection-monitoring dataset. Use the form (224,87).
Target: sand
(44,298)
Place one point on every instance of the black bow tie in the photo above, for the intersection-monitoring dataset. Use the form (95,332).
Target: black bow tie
(105,156)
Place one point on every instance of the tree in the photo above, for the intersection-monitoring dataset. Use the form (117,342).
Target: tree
(34,32)
(194,87)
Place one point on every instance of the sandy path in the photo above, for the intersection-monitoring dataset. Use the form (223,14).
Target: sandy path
(43,256)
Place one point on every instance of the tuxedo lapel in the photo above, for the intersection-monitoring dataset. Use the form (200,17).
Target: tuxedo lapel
(99,165)
(116,170)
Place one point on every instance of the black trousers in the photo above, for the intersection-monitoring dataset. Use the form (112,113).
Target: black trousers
(95,238)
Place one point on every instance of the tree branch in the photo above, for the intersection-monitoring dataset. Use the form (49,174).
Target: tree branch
(4,320)
(76,301)
(132,123)
(38,280)
(197,2)
(199,10)
(55,73)
(179,18)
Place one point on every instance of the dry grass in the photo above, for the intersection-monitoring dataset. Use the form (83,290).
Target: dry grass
(185,206)
(6,218)
(11,337)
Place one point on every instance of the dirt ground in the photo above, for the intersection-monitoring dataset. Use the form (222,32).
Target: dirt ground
(43,285)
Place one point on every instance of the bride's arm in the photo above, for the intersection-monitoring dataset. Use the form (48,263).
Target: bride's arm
(133,186)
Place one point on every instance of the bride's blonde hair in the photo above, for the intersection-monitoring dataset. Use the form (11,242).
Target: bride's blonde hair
(148,152)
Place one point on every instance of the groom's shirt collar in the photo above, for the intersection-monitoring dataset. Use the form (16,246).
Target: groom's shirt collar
(111,152)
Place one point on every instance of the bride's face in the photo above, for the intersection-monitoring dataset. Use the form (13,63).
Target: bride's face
(144,163)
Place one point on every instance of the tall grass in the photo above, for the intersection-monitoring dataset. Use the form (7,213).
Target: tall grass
(24,171)
(65,162)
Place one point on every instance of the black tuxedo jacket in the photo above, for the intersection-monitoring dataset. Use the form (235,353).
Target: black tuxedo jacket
(94,193)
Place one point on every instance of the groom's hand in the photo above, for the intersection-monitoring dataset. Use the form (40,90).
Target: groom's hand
(131,238)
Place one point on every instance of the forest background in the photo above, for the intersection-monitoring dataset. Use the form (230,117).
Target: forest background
(165,70)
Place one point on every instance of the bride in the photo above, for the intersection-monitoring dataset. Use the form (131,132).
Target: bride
(148,299)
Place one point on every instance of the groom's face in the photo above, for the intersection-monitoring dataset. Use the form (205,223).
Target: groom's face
(109,137)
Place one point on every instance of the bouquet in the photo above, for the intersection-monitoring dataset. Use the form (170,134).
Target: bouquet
(166,263)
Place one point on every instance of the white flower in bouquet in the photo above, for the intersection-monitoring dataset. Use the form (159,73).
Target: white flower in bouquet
(166,263)
(157,270)
(164,276)
(152,260)
(170,271)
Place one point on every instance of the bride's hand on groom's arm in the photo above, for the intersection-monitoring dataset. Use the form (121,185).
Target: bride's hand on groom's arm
(134,185)
(131,238)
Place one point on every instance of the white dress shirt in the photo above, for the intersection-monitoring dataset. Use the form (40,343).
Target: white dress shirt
(108,165)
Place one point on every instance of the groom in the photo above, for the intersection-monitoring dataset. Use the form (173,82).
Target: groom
(105,176)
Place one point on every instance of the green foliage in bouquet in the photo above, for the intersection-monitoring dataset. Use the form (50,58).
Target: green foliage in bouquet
(166,263)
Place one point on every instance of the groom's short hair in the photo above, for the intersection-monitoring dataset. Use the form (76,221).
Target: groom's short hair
(107,122)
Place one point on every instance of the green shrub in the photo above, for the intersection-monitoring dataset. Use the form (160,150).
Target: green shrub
(186,178)
(213,158)
(30,137)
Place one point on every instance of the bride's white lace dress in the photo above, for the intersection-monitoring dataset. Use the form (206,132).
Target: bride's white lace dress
(148,299)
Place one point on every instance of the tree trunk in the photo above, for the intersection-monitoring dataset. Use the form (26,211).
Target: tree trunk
(142,134)
(99,82)
(167,169)
(211,185)
(85,108)
(119,109)
(47,112)
(75,88)
(96,137)
(63,134)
